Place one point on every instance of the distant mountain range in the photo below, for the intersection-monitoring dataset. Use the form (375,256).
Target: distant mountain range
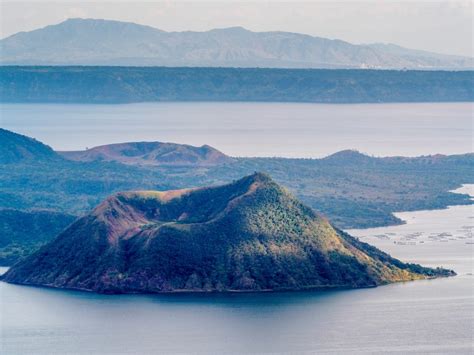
(104,42)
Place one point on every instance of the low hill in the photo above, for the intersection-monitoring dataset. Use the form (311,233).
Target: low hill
(250,235)
(151,154)
(15,148)
(130,44)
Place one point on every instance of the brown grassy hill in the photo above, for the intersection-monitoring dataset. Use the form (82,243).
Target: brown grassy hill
(151,154)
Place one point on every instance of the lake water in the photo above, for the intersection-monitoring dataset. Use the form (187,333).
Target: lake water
(254,129)
(432,316)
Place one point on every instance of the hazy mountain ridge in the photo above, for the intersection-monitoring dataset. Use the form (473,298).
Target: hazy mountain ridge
(159,84)
(250,235)
(121,43)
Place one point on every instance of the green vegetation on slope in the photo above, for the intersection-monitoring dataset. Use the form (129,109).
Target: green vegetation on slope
(351,189)
(15,148)
(250,235)
(22,232)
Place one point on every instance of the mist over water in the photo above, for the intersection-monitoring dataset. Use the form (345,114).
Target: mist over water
(253,129)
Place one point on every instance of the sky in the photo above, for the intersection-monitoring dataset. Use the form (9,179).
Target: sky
(437,26)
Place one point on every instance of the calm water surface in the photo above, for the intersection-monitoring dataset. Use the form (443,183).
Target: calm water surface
(433,316)
(253,129)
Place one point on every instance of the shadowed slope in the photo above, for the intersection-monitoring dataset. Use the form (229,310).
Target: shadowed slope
(15,148)
(23,232)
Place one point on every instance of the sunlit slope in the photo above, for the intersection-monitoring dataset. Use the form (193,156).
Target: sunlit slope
(250,235)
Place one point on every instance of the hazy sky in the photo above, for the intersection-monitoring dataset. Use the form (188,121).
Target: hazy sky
(439,26)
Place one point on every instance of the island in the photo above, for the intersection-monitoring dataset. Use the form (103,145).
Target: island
(42,191)
(249,235)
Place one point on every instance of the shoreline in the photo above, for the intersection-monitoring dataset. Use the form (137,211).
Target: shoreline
(397,214)
(308,289)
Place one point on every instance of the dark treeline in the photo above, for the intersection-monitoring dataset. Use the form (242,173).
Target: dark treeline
(152,84)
